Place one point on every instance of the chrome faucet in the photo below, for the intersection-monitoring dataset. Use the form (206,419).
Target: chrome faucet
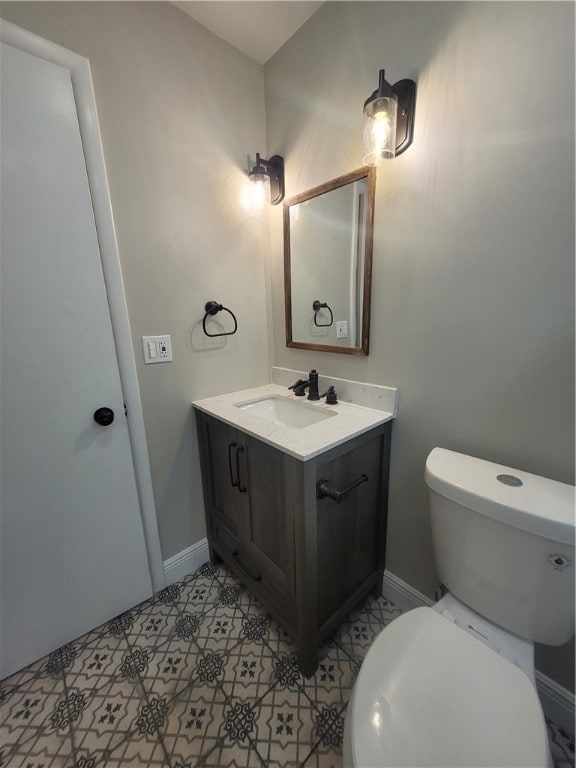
(300,386)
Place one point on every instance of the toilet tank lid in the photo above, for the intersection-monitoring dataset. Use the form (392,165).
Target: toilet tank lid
(531,503)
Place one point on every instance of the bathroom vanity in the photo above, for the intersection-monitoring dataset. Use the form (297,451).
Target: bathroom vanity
(296,498)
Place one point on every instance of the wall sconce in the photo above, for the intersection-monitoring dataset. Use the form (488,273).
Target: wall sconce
(267,176)
(388,119)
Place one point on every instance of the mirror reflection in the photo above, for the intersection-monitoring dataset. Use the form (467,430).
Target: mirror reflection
(328,264)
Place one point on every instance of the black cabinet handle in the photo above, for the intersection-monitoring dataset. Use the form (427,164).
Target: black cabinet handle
(325,490)
(254,576)
(230,447)
(104,416)
(241,488)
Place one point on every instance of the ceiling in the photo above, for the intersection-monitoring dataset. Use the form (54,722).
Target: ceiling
(258,28)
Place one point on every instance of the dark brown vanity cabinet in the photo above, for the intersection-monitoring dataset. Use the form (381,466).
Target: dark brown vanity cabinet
(309,560)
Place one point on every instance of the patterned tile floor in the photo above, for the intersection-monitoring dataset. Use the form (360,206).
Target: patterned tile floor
(199,675)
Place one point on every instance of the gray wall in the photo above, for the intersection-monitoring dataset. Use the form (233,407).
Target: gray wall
(473,277)
(179,111)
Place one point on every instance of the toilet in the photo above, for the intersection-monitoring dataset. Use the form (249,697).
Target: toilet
(454,685)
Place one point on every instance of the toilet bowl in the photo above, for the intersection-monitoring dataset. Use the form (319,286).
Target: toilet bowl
(453,685)
(430,694)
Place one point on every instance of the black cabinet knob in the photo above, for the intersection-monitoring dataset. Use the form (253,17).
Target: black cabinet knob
(104,416)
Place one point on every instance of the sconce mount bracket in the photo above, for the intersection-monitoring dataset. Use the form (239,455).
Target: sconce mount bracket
(276,164)
(405,90)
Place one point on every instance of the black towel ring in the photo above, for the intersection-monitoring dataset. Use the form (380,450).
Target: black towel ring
(212,308)
(317,306)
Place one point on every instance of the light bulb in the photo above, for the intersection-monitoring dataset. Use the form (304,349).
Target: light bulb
(381,128)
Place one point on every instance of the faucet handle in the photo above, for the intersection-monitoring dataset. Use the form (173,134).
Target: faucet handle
(299,387)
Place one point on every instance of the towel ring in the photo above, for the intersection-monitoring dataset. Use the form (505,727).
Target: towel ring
(212,308)
(317,306)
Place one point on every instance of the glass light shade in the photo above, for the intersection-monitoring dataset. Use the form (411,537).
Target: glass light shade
(259,191)
(380,129)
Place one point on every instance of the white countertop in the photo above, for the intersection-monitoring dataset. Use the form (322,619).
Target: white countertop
(305,443)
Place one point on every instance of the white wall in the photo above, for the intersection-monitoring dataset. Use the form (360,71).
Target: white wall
(473,274)
(179,112)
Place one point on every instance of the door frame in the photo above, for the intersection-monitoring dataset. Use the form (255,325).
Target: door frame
(84,96)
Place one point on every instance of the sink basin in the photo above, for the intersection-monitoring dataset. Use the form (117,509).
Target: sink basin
(289,413)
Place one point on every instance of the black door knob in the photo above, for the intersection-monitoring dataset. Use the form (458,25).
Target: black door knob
(104,416)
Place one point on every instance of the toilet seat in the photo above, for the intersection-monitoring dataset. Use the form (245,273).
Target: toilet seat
(430,694)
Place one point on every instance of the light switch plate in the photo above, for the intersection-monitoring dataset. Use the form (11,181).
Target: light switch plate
(341,329)
(157,349)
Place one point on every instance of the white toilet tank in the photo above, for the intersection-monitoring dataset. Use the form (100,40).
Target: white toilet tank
(504,542)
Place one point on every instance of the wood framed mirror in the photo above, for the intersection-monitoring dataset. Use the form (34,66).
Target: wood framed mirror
(328,235)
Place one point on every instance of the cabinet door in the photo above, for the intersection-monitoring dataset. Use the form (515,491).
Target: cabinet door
(349,532)
(268,517)
(222,483)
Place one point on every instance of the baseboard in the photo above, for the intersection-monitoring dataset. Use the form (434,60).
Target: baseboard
(402,594)
(557,702)
(185,562)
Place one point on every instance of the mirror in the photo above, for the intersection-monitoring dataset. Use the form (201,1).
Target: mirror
(328,264)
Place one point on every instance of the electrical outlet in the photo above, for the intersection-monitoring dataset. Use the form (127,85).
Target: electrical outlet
(341,329)
(157,349)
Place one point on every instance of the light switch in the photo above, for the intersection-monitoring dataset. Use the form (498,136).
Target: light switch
(157,349)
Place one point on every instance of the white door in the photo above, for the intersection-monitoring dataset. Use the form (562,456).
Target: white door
(73,552)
